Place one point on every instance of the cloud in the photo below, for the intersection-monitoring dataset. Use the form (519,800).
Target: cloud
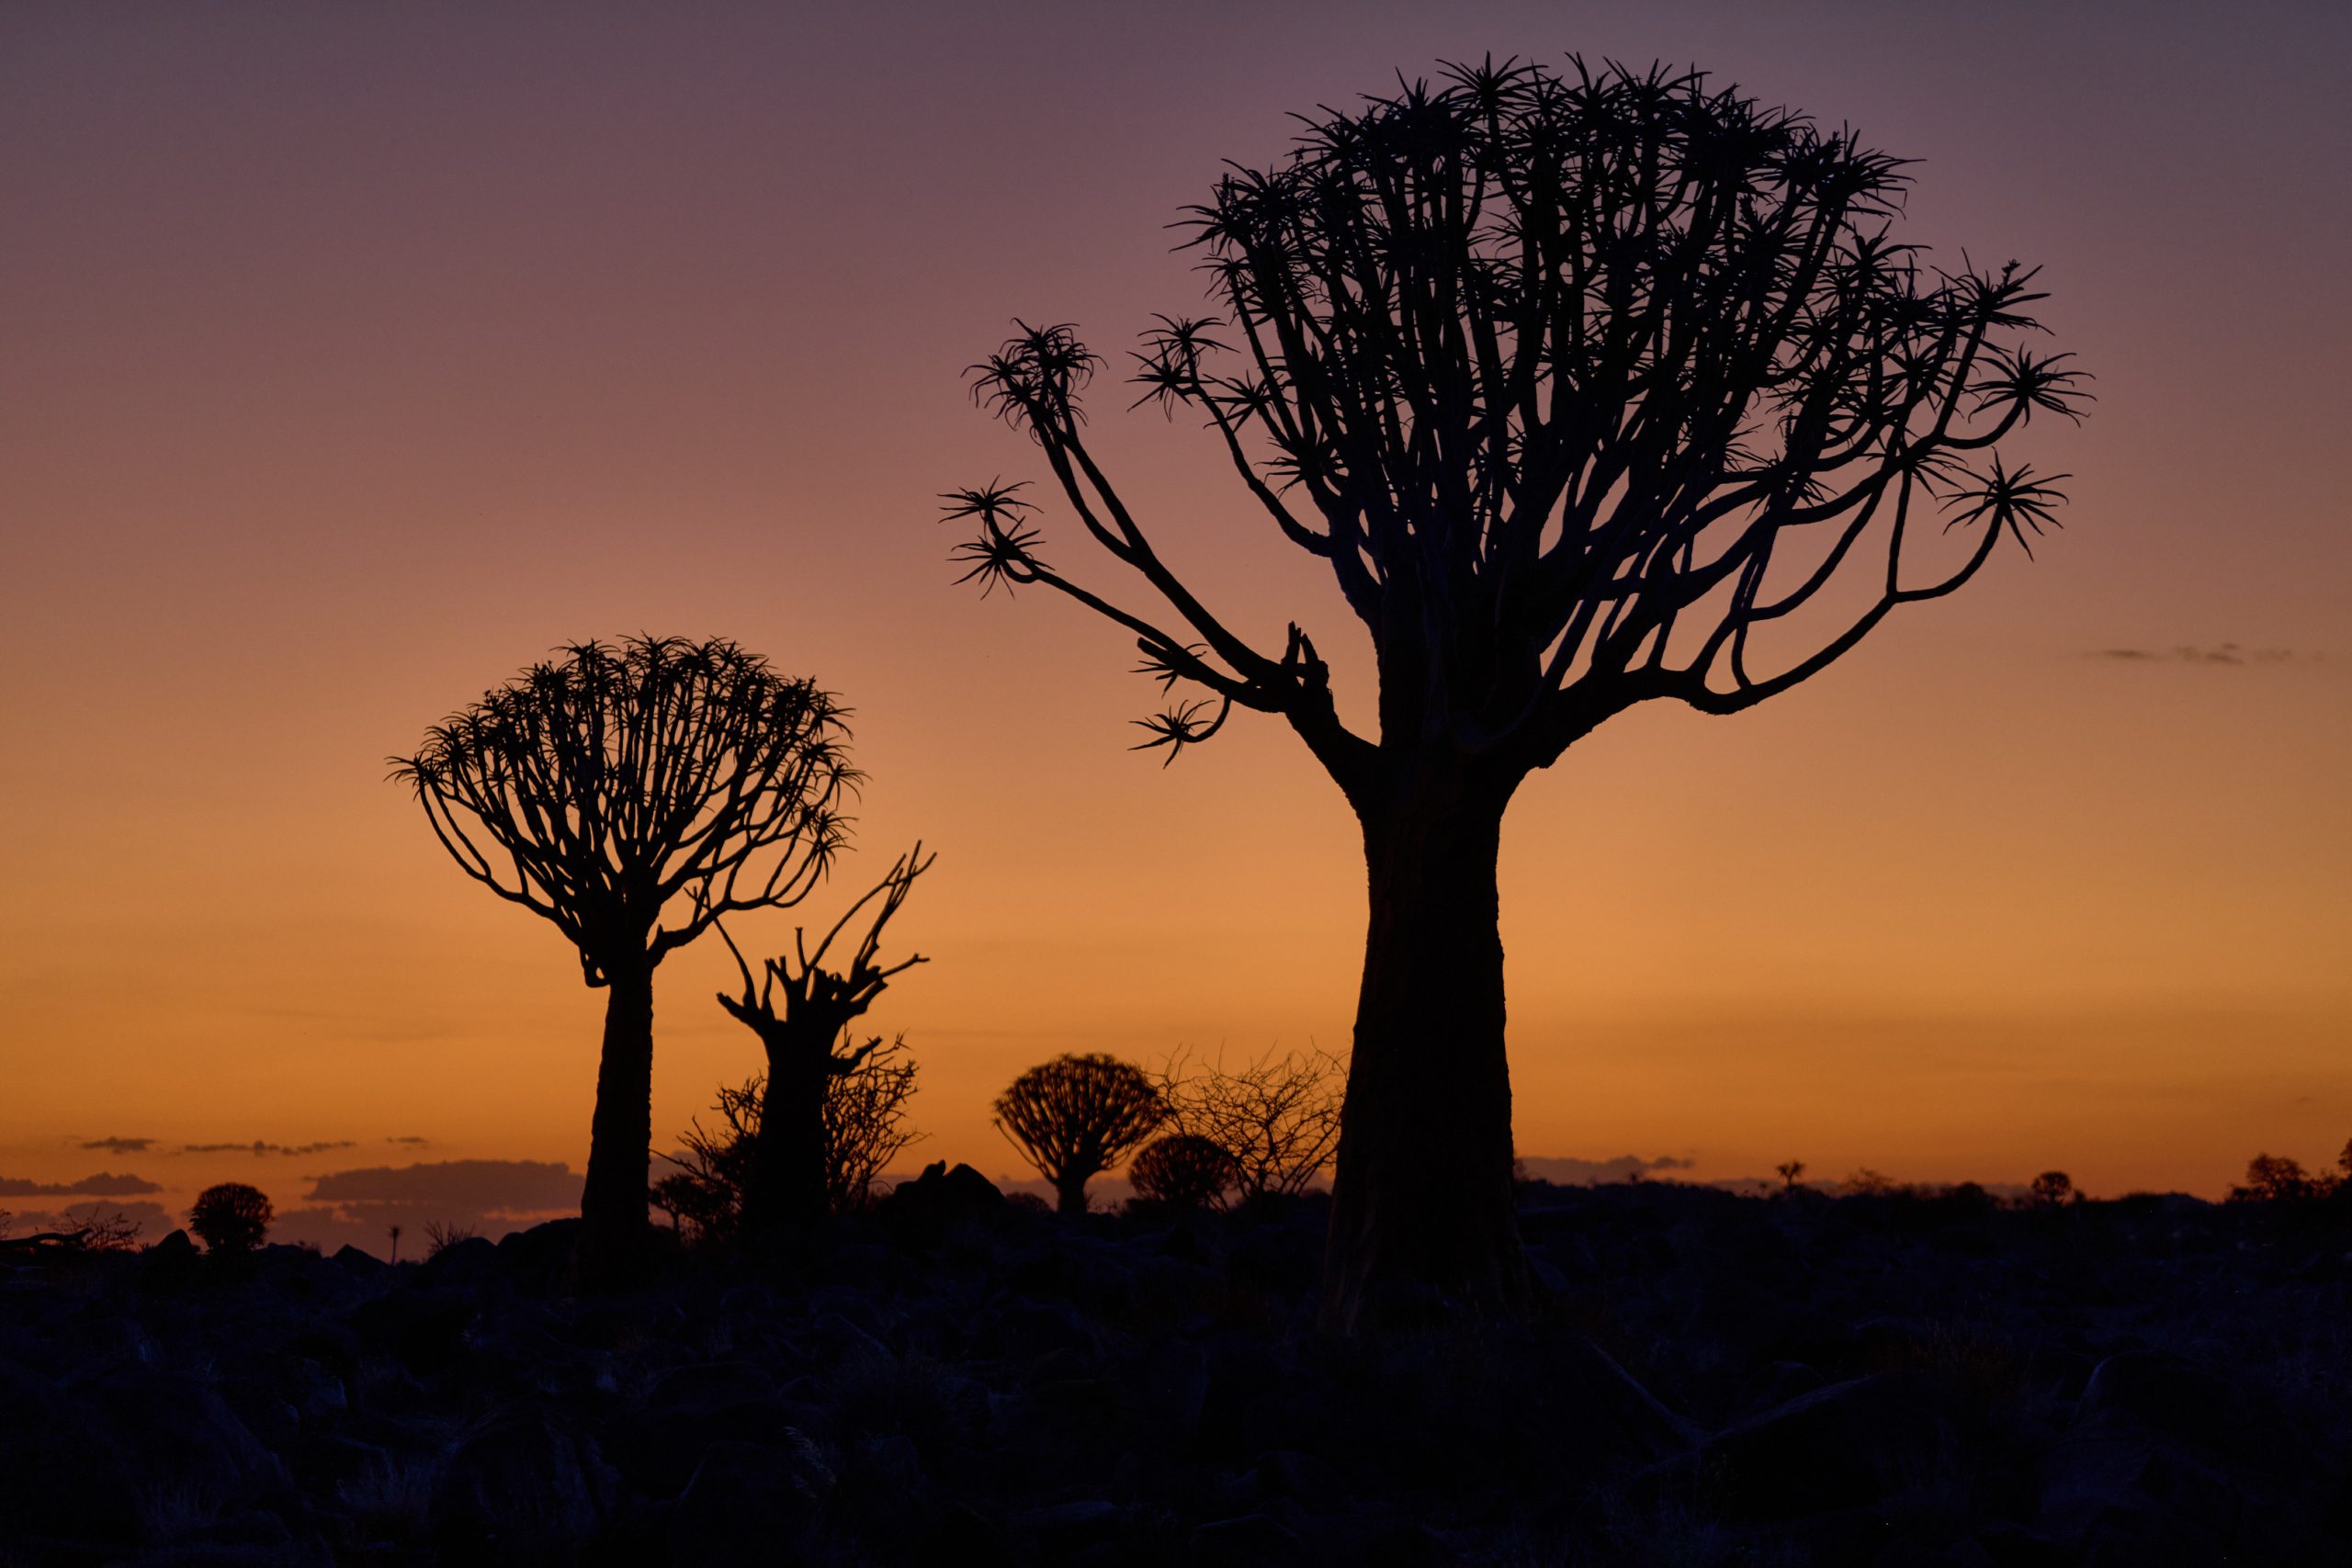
(410,1139)
(261,1147)
(120,1146)
(507,1186)
(104,1184)
(1562,1172)
(489,1197)
(2224,654)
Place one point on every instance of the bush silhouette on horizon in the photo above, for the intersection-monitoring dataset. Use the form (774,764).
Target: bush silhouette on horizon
(1184,1170)
(230,1217)
(1076,1116)
(1276,1116)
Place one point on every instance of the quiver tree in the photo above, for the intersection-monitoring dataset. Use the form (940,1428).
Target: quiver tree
(801,1010)
(1591,390)
(1075,1117)
(618,787)
(865,1129)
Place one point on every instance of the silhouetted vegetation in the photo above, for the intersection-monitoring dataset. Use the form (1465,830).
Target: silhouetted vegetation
(97,1230)
(2052,1187)
(826,1105)
(230,1217)
(1276,1116)
(864,1128)
(620,786)
(1587,389)
(1789,1170)
(1184,1170)
(1075,1117)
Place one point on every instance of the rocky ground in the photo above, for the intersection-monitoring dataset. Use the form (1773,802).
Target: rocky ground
(1711,1379)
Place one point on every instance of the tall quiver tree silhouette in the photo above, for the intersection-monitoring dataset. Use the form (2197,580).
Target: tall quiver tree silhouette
(801,1010)
(1591,389)
(618,787)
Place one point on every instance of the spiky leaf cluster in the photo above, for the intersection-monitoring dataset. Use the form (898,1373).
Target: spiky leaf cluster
(1576,381)
(614,783)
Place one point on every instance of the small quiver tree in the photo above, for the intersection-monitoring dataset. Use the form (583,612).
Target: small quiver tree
(617,787)
(1075,1117)
(230,1217)
(818,1097)
(1184,1170)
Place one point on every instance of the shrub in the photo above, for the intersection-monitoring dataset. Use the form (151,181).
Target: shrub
(1184,1170)
(230,1217)
(1277,1116)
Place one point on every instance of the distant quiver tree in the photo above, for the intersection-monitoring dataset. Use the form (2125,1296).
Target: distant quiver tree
(1075,1117)
(1589,389)
(618,787)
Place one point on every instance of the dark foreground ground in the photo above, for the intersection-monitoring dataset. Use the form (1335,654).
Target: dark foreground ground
(1712,1380)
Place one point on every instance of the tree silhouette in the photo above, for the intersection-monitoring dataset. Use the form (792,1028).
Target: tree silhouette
(1789,1170)
(1184,1170)
(1075,1117)
(2050,1189)
(230,1217)
(801,1010)
(1591,390)
(864,1129)
(605,790)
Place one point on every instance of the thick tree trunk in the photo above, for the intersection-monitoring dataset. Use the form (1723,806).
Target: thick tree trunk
(788,1162)
(620,1139)
(1422,1185)
(1070,1194)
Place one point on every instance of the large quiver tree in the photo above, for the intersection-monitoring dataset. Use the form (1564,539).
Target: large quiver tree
(1591,390)
(615,788)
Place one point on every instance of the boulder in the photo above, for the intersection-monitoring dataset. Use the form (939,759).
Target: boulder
(1838,1447)
(751,1505)
(925,1211)
(522,1488)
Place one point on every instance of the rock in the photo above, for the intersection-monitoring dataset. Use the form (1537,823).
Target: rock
(751,1504)
(353,1260)
(1838,1447)
(923,1211)
(175,1433)
(472,1262)
(521,1489)
(423,1325)
(59,1475)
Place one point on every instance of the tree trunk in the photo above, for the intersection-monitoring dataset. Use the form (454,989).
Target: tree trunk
(1422,1188)
(1070,1193)
(620,1139)
(788,1162)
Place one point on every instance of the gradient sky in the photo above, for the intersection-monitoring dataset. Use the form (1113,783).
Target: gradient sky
(351,358)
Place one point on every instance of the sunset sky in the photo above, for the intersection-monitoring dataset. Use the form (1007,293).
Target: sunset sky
(353,358)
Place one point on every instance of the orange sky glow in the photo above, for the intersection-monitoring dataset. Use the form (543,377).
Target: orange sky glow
(352,360)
